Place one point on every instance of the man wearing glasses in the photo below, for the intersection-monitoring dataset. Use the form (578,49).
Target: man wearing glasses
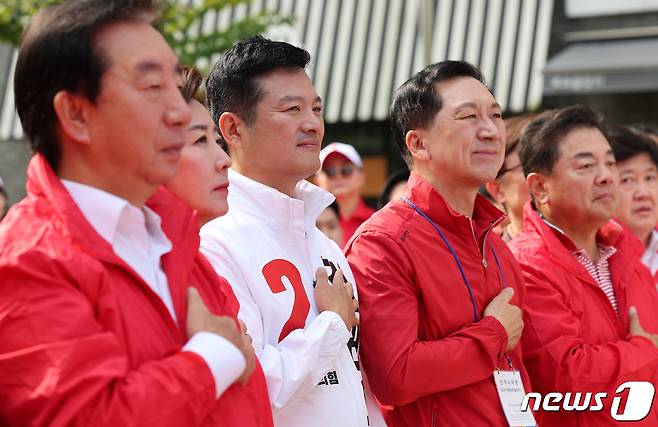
(341,173)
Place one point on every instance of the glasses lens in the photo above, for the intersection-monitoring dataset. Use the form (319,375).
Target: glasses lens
(331,172)
(347,170)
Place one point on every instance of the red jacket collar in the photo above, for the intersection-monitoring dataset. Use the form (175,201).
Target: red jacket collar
(178,221)
(560,247)
(428,200)
(609,234)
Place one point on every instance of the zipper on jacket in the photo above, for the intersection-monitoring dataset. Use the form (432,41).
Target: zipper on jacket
(433,415)
(484,261)
(484,238)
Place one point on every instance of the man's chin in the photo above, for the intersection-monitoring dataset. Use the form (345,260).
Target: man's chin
(602,216)
(163,175)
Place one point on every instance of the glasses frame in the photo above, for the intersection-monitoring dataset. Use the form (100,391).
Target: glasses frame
(345,171)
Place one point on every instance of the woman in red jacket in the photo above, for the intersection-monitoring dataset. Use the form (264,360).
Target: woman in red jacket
(202,183)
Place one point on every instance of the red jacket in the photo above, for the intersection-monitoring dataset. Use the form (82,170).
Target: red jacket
(421,349)
(573,340)
(84,340)
(349,225)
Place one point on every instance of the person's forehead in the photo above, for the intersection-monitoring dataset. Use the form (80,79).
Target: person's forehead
(639,162)
(584,140)
(136,45)
(463,90)
(200,114)
(287,83)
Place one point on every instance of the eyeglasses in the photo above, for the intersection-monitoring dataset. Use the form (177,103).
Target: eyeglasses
(345,171)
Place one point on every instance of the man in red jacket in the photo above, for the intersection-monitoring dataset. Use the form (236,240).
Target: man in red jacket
(440,293)
(97,323)
(590,311)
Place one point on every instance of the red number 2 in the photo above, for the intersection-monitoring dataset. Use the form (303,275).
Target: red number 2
(273,272)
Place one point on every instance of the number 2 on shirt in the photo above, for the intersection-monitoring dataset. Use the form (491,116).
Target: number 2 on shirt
(274,271)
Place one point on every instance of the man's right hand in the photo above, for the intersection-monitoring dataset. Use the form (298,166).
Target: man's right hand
(199,319)
(508,315)
(636,329)
(337,297)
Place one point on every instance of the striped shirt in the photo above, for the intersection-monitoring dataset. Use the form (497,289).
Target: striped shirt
(600,271)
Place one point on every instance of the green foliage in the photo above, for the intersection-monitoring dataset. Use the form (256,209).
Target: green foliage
(15,15)
(181,25)
(183,28)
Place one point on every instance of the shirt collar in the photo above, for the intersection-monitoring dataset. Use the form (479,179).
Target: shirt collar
(606,235)
(100,208)
(273,206)
(105,212)
(653,242)
(652,248)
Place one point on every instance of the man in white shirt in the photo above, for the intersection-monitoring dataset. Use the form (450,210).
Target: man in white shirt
(96,326)
(268,246)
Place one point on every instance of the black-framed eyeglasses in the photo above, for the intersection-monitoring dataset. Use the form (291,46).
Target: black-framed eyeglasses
(345,171)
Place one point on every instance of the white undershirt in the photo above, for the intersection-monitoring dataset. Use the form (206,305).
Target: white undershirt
(650,256)
(137,238)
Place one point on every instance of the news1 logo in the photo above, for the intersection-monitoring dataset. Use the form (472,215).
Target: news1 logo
(638,402)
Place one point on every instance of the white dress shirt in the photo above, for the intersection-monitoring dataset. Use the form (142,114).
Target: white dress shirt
(650,256)
(137,238)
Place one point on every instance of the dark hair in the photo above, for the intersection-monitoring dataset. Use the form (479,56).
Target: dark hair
(540,141)
(417,101)
(334,207)
(3,195)
(58,52)
(393,179)
(192,79)
(514,127)
(646,128)
(232,84)
(627,143)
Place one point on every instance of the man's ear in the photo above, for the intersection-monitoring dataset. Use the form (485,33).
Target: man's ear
(71,111)
(493,188)
(231,126)
(537,187)
(416,146)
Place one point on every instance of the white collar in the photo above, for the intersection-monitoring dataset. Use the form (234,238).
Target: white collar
(652,248)
(100,208)
(272,205)
(104,211)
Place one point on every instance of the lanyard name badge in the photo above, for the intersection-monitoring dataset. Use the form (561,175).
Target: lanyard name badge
(508,383)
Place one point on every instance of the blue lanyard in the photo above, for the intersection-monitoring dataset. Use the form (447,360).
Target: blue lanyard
(454,255)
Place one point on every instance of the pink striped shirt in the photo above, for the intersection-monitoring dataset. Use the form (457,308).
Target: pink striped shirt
(600,271)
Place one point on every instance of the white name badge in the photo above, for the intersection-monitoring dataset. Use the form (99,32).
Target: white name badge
(511,392)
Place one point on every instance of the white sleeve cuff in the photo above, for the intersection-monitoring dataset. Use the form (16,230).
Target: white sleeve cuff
(225,360)
(335,325)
